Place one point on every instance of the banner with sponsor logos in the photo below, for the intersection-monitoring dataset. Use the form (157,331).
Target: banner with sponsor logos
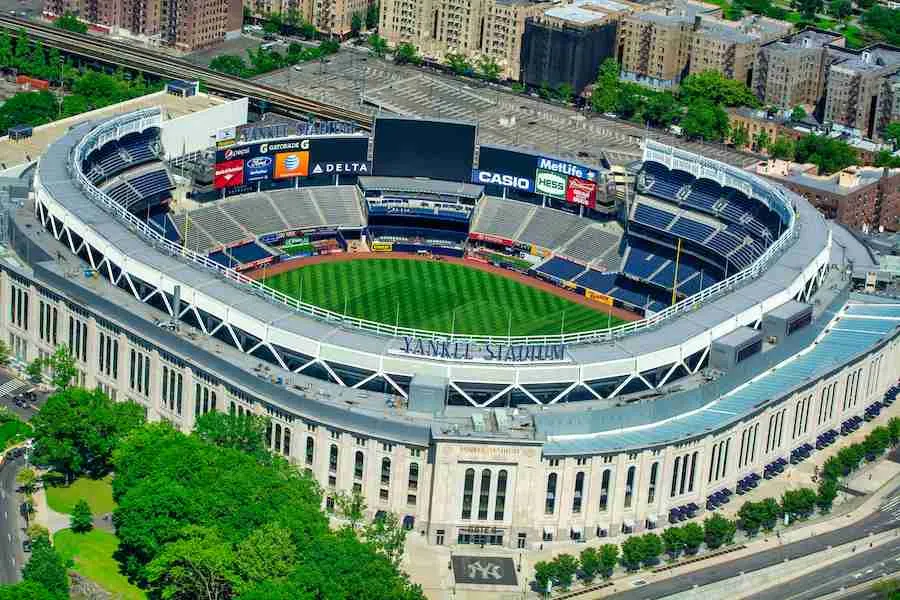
(581,191)
(550,184)
(229,173)
(382,246)
(297,157)
(597,297)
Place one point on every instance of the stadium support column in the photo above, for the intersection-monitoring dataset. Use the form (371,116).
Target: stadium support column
(176,302)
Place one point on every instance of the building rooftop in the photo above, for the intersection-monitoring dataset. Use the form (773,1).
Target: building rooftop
(871,58)
(808,38)
(587,12)
(843,182)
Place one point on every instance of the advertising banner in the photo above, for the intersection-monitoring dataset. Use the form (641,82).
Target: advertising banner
(229,174)
(258,168)
(598,297)
(566,168)
(524,184)
(550,183)
(581,191)
(382,246)
(291,164)
(494,239)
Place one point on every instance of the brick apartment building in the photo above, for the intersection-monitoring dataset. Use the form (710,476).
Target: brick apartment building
(862,198)
(182,24)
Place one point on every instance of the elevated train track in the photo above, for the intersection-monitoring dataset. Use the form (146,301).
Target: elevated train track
(155,63)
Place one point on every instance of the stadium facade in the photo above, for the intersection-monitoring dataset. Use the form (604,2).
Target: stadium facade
(567,436)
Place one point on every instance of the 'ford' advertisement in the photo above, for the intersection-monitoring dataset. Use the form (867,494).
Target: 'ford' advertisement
(258,168)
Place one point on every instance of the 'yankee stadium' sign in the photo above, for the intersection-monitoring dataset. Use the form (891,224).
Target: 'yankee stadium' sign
(481,352)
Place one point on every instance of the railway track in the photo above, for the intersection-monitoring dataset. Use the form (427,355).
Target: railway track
(155,63)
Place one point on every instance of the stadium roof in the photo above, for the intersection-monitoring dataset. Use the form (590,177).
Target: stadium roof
(421,186)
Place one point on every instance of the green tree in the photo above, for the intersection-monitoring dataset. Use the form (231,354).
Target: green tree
(27,479)
(488,68)
(809,8)
(673,541)
(200,564)
(28,108)
(693,537)
(308,31)
(77,430)
(740,137)
(769,513)
(609,556)
(565,92)
(890,133)
(70,22)
(81,520)
(840,9)
(718,531)
(36,530)
(715,88)
(706,121)
(750,517)
(268,553)
(352,507)
(246,432)
(372,15)
(378,45)
(798,504)
(893,426)
(653,547)
(633,553)
(828,154)
(387,536)
(35,370)
(662,109)
(604,94)
(826,494)
(46,568)
(5,354)
(62,367)
(6,48)
(589,559)
(356,24)
(27,590)
(782,148)
(274,23)
(544,574)
(761,141)
(566,566)
(406,53)
(458,63)
(229,64)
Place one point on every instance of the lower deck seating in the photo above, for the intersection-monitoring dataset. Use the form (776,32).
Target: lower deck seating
(560,268)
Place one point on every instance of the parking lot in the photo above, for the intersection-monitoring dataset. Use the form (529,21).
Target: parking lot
(355,79)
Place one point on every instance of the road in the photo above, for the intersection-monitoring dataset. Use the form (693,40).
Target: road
(885,519)
(11,555)
(865,567)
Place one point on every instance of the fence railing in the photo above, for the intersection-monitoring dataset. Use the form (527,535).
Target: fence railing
(151,117)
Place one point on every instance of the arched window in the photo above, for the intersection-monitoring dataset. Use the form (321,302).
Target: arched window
(484,497)
(693,467)
(277,437)
(550,502)
(310,450)
(604,490)
(629,486)
(385,471)
(468,487)
(333,458)
(675,477)
(358,461)
(500,498)
(651,489)
(287,442)
(579,491)
(413,483)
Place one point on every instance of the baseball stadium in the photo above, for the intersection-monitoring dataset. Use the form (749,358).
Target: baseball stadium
(503,347)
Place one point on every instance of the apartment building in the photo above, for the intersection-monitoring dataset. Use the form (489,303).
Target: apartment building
(861,89)
(566,44)
(476,28)
(182,24)
(661,46)
(791,71)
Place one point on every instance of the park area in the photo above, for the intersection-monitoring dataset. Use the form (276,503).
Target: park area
(439,296)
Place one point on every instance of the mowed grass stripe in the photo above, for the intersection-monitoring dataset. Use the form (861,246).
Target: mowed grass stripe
(438,296)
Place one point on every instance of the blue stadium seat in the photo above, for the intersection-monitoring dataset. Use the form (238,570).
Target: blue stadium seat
(652,216)
(561,268)
(686,227)
(597,281)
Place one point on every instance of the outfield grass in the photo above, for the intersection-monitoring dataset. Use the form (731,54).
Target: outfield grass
(97,492)
(437,296)
(92,555)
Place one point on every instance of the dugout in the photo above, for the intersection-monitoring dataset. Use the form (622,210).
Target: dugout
(737,346)
(784,320)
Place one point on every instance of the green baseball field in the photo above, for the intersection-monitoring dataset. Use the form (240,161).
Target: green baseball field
(437,296)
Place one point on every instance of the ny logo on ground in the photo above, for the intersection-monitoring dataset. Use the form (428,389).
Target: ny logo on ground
(486,571)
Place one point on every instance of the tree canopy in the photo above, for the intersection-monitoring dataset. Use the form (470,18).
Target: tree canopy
(70,22)
(828,154)
(46,569)
(713,87)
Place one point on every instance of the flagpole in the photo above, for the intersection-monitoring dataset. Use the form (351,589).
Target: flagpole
(562,327)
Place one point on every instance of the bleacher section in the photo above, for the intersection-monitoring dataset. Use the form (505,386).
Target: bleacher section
(551,229)
(297,207)
(245,253)
(500,217)
(641,262)
(339,205)
(118,156)
(594,242)
(196,238)
(560,268)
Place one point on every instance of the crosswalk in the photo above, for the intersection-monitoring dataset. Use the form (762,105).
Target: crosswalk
(892,507)
(12,387)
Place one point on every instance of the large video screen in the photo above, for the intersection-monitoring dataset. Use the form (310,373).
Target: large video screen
(417,148)
(292,157)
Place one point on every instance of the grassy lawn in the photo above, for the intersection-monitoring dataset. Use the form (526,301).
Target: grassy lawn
(13,432)
(92,554)
(97,492)
(432,295)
